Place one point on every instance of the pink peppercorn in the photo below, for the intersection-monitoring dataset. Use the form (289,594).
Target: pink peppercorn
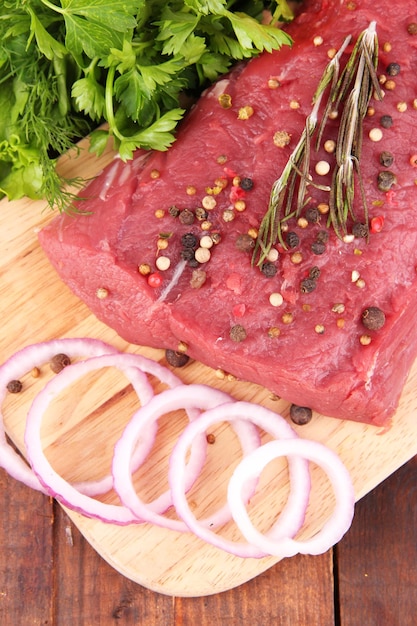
(155,280)
(377,224)
(237,193)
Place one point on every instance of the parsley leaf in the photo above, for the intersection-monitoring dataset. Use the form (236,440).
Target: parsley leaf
(70,66)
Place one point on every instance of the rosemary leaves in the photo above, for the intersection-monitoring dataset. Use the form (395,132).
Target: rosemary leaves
(348,89)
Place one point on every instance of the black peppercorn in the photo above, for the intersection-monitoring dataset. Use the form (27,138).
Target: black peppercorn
(360,230)
(189,240)
(393,69)
(386,158)
(246,183)
(373,318)
(318,247)
(187,254)
(386,121)
(176,359)
(323,236)
(186,217)
(308,285)
(245,243)
(292,239)
(58,362)
(193,263)
(312,215)
(386,180)
(237,333)
(300,415)
(412,28)
(268,269)
(314,272)
(14,386)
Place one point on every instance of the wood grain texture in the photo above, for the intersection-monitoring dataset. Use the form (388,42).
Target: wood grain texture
(36,306)
(377,559)
(26,557)
(78,587)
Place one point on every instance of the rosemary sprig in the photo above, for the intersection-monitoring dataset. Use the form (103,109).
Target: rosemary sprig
(360,70)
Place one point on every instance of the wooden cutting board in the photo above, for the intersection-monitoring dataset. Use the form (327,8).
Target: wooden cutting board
(35,306)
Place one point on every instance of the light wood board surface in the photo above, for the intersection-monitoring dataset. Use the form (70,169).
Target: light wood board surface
(35,306)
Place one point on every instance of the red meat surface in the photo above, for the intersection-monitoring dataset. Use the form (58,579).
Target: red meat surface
(309,350)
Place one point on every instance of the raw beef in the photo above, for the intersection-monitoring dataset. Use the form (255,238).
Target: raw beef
(309,347)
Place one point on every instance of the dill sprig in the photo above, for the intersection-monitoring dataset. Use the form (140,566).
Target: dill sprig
(68,67)
(351,88)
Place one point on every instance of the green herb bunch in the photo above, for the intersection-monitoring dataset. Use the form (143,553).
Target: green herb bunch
(68,66)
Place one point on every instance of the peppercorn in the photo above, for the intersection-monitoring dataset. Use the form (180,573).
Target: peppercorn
(323,236)
(186,217)
(412,28)
(393,69)
(386,180)
(245,243)
(268,269)
(386,158)
(174,211)
(292,239)
(225,100)
(35,372)
(202,255)
(373,318)
(300,415)
(308,285)
(318,247)
(58,362)
(189,240)
(314,272)
(377,224)
(281,138)
(14,386)
(210,438)
(246,183)
(187,254)
(238,333)
(102,293)
(312,215)
(193,263)
(201,214)
(360,230)
(386,121)
(155,280)
(176,359)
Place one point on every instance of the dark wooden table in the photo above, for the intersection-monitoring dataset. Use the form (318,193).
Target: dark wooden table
(49,575)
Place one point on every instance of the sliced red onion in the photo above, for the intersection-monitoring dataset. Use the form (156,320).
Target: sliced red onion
(291,518)
(15,368)
(334,528)
(187,397)
(132,365)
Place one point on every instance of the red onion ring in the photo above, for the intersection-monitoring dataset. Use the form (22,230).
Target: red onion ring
(335,527)
(18,365)
(128,455)
(291,518)
(56,485)
(187,397)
